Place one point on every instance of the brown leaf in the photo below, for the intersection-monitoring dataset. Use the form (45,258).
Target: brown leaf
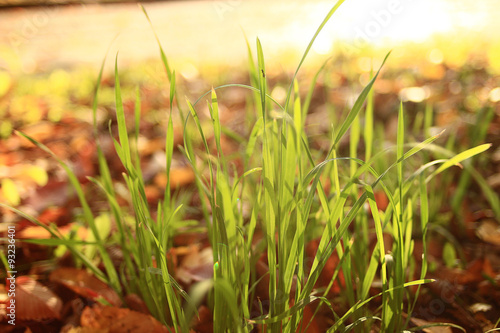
(83,330)
(55,193)
(489,231)
(203,323)
(196,266)
(153,193)
(84,284)
(53,214)
(382,200)
(35,301)
(134,302)
(40,131)
(456,276)
(118,320)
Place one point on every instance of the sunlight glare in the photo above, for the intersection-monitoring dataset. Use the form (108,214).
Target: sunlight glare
(436,56)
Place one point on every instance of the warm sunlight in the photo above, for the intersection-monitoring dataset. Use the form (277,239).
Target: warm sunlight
(37,36)
(249,166)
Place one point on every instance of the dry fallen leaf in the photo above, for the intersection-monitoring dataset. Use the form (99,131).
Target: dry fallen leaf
(203,323)
(456,276)
(489,231)
(134,302)
(38,232)
(179,177)
(40,131)
(83,330)
(480,307)
(85,284)
(118,320)
(53,215)
(196,266)
(35,301)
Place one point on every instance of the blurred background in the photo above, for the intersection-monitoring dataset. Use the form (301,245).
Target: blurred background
(198,33)
(445,62)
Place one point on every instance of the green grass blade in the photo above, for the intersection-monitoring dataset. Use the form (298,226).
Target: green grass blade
(359,321)
(296,307)
(308,99)
(459,158)
(238,85)
(162,53)
(380,243)
(262,79)
(423,327)
(216,122)
(356,107)
(120,118)
(169,138)
(368,130)
(308,48)
(358,305)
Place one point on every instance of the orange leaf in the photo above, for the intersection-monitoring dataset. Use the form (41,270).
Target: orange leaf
(85,284)
(52,214)
(37,232)
(118,320)
(179,177)
(35,301)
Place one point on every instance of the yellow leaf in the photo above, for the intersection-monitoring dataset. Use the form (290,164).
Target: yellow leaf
(5,83)
(10,192)
(38,174)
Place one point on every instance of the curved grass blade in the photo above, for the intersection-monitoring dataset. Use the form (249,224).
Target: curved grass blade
(455,160)
(359,321)
(57,242)
(308,48)
(423,327)
(124,145)
(356,108)
(358,305)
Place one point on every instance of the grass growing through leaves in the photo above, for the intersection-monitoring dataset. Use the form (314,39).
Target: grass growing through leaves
(284,184)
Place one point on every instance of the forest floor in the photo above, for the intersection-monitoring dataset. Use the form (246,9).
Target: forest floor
(55,108)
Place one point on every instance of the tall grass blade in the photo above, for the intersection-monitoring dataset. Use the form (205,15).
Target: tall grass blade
(459,158)
(356,108)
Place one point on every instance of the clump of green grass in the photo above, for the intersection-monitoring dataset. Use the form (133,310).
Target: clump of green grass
(284,186)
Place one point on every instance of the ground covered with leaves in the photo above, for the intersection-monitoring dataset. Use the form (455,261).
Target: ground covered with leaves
(55,293)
